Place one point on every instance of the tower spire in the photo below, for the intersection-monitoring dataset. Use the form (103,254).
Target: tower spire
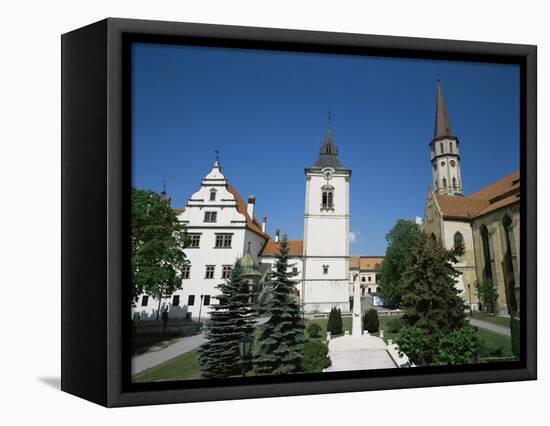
(442,121)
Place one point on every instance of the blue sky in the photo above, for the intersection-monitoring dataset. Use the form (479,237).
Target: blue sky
(266,114)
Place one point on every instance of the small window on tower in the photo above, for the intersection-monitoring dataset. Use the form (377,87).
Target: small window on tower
(444,183)
(327,199)
(454,183)
(212,195)
(441,148)
(325,269)
(451,147)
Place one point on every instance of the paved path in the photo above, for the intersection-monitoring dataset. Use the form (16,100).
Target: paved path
(359,353)
(489,326)
(149,360)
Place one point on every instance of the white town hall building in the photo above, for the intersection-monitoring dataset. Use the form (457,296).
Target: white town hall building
(223,229)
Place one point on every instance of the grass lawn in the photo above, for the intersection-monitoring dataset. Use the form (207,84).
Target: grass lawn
(505,322)
(142,343)
(183,367)
(493,345)
(346,325)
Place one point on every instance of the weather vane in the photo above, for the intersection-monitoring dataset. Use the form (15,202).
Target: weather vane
(217,154)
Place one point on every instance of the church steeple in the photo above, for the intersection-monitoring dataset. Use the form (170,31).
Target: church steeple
(442,121)
(445,155)
(328,152)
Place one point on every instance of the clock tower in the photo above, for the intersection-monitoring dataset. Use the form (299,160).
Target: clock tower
(326,231)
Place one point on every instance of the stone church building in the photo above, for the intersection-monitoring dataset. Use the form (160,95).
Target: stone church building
(486,223)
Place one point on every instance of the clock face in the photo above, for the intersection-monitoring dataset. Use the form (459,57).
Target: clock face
(327,173)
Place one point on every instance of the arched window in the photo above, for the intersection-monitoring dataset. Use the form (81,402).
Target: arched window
(441,147)
(509,266)
(444,183)
(451,147)
(327,198)
(212,195)
(328,150)
(433,237)
(458,240)
(487,270)
(454,183)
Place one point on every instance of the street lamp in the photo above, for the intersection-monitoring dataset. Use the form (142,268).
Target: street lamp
(200,308)
(245,348)
(470,297)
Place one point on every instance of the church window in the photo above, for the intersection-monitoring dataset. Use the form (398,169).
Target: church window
(452,163)
(144,300)
(325,269)
(441,148)
(454,183)
(209,272)
(458,240)
(433,237)
(210,216)
(212,195)
(175,300)
(444,183)
(186,272)
(487,271)
(451,147)
(509,278)
(327,199)
(443,164)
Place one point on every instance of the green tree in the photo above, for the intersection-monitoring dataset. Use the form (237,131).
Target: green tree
(315,357)
(430,300)
(371,322)
(401,239)
(313,330)
(230,319)
(281,339)
(487,294)
(158,240)
(459,347)
(335,324)
(412,341)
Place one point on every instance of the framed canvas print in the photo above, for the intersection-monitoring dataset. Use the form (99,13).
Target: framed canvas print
(255,212)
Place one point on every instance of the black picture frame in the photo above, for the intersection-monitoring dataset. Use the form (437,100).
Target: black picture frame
(96,154)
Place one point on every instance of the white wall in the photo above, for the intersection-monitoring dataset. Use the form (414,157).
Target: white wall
(30,177)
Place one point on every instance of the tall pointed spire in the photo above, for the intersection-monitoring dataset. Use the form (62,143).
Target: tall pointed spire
(442,121)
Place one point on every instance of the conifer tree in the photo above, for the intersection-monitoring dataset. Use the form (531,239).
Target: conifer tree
(230,319)
(281,338)
(430,301)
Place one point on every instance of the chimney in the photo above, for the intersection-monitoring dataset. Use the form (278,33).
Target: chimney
(250,206)
(277,232)
(264,223)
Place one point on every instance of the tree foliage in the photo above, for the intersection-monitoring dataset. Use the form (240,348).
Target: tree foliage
(313,330)
(280,343)
(430,300)
(335,324)
(371,322)
(158,240)
(230,319)
(515,335)
(487,295)
(315,356)
(459,347)
(413,342)
(401,238)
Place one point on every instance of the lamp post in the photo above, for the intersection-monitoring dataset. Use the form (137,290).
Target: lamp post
(470,297)
(200,308)
(245,348)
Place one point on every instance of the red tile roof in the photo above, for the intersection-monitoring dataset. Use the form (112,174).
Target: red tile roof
(251,222)
(365,263)
(502,193)
(295,248)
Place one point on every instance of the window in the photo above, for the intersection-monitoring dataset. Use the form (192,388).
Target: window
(176,300)
(370,279)
(369,290)
(443,164)
(191,300)
(144,300)
(444,183)
(454,183)
(212,195)
(487,271)
(362,279)
(377,278)
(441,148)
(186,272)
(206,300)
(458,240)
(327,199)
(294,270)
(325,269)
(226,271)
(210,216)
(451,147)
(223,240)
(195,240)
(452,163)
(209,272)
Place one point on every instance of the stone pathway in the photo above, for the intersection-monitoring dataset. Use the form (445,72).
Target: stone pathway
(149,360)
(489,326)
(359,353)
